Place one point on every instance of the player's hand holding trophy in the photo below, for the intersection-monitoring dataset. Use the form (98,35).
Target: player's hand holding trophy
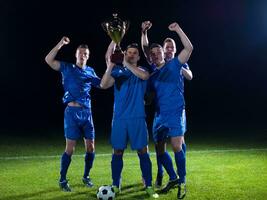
(116,29)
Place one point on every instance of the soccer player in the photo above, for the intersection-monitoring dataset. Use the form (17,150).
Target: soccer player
(169,48)
(169,120)
(128,122)
(77,80)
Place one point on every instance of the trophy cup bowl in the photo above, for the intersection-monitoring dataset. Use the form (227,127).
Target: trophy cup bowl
(116,29)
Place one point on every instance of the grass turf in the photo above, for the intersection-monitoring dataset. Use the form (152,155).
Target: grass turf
(216,169)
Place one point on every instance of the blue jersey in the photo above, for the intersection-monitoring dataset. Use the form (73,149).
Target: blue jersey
(129,91)
(77,83)
(168,85)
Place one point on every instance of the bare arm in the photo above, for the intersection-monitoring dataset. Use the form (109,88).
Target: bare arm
(187,73)
(107,80)
(137,71)
(50,57)
(144,39)
(109,52)
(184,55)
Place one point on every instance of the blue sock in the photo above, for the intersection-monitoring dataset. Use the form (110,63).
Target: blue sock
(180,163)
(65,162)
(88,159)
(146,168)
(166,160)
(184,147)
(116,168)
(160,167)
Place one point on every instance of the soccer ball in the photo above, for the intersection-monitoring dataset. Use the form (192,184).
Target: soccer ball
(105,192)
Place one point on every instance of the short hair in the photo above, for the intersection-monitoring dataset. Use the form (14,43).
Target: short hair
(83,46)
(155,45)
(168,40)
(132,45)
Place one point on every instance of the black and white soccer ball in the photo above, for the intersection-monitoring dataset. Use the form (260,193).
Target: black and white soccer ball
(105,192)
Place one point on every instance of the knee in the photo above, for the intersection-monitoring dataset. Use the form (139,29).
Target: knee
(69,151)
(176,143)
(70,146)
(90,148)
(176,147)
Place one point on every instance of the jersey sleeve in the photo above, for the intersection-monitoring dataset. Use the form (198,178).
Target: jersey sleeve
(115,72)
(177,63)
(95,79)
(186,66)
(63,67)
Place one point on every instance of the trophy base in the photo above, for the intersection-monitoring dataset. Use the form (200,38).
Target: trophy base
(117,58)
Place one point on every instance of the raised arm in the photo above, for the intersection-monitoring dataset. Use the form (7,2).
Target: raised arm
(146,25)
(107,80)
(50,57)
(184,55)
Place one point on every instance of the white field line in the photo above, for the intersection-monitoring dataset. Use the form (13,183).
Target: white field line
(130,154)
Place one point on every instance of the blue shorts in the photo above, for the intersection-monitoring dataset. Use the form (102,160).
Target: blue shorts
(134,130)
(78,122)
(169,125)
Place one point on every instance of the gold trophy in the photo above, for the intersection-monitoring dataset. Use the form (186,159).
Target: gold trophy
(116,29)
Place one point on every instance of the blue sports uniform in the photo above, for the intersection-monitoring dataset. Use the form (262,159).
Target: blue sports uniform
(169,121)
(77,84)
(129,112)
(129,122)
(168,85)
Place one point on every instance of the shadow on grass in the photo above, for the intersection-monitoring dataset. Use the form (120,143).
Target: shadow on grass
(129,192)
(133,192)
(56,194)
(30,195)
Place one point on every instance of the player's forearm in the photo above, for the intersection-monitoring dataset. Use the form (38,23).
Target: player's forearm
(140,73)
(107,80)
(188,47)
(184,39)
(145,44)
(110,50)
(50,57)
(187,73)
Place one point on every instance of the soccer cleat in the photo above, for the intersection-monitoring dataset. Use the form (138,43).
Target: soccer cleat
(171,184)
(181,191)
(87,182)
(152,194)
(64,186)
(117,190)
(158,182)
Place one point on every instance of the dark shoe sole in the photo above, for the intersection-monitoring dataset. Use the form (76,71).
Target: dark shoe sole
(169,185)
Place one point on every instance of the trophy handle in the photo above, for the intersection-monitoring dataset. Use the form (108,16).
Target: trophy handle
(118,48)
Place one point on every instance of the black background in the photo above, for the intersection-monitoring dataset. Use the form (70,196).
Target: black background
(229,61)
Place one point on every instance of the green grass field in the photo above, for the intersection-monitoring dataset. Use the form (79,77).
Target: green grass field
(222,168)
